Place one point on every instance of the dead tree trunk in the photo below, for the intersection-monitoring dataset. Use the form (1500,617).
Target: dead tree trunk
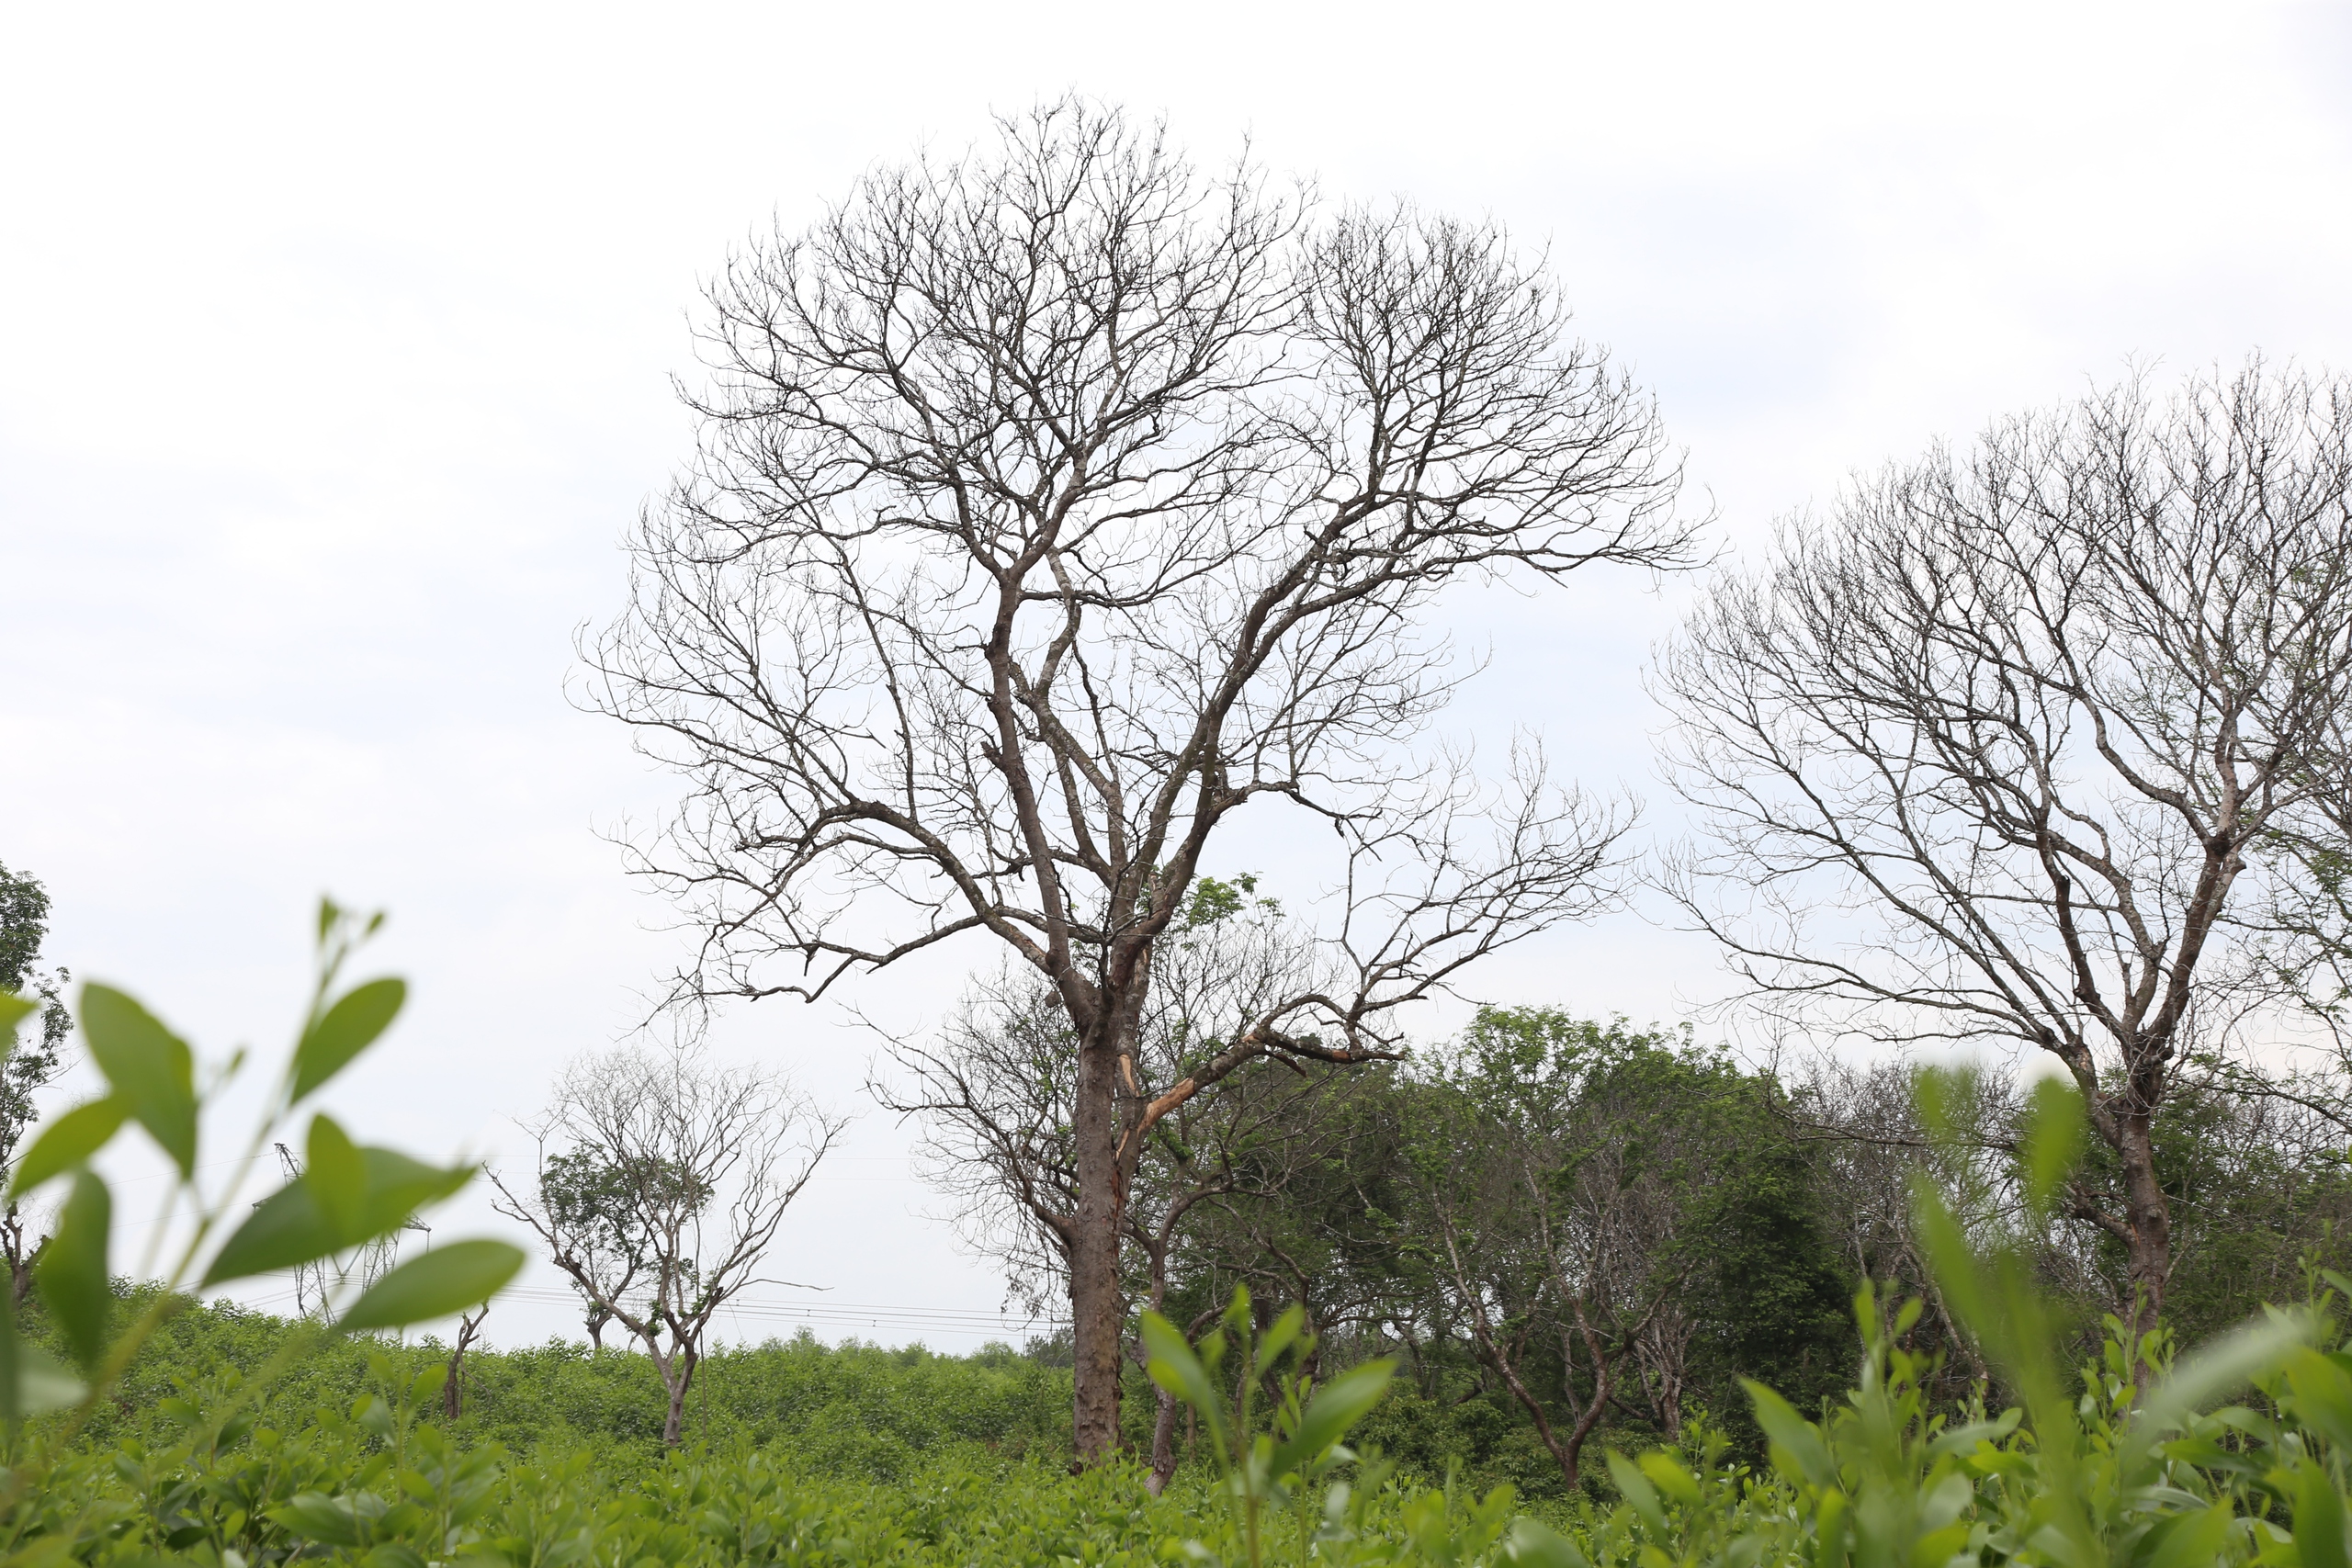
(1098,1316)
(453,1399)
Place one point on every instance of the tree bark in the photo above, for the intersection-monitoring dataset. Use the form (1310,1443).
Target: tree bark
(1572,1450)
(677,1376)
(1163,1444)
(2148,1221)
(1097,1313)
(20,1258)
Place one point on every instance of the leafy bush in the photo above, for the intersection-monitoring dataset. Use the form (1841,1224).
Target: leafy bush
(2107,1470)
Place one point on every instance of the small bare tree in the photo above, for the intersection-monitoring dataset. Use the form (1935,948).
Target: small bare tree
(2006,748)
(453,1386)
(1057,503)
(699,1164)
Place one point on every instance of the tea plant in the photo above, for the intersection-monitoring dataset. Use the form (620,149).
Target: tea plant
(347,1196)
(1257,1469)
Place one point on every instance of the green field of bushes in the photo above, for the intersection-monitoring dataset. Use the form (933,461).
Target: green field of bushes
(236,1439)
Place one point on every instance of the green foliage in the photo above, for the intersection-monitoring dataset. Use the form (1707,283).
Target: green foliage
(1600,1222)
(347,1196)
(24,925)
(150,1071)
(343,1459)
(228,1439)
(1212,902)
(1772,1296)
(854,1410)
(72,1273)
(1257,1469)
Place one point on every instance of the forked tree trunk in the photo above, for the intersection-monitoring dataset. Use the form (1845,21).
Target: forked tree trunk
(452,1395)
(1163,1420)
(20,1257)
(677,1370)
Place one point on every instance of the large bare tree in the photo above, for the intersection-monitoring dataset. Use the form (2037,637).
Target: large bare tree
(2007,747)
(1052,505)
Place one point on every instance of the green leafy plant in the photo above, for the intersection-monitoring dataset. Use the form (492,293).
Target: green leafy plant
(348,1195)
(1261,1469)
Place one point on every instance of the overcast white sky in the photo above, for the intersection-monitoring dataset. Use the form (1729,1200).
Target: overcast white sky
(334,356)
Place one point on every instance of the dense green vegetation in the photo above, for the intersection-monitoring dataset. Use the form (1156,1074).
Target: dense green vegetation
(1559,1218)
(854,1410)
(860,1455)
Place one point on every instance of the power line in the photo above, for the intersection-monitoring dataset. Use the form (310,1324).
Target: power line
(873,1315)
(901,1317)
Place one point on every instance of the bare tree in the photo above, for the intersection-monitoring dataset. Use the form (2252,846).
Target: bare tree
(2005,747)
(703,1162)
(1056,503)
(1864,1125)
(2308,945)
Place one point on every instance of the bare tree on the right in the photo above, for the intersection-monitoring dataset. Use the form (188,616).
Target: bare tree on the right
(2010,745)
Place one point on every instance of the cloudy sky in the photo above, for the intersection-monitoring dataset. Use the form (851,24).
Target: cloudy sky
(334,355)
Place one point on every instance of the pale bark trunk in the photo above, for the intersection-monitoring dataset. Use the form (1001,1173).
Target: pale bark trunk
(1163,1421)
(453,1397)
(20,1258)
(1163,1444)
(677,1370)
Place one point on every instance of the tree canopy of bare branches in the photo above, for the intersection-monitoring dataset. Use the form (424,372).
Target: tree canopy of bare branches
(1053,504)
(660,1185)
(2010,746)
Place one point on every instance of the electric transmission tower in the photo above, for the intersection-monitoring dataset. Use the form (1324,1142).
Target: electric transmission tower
(372,1262)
